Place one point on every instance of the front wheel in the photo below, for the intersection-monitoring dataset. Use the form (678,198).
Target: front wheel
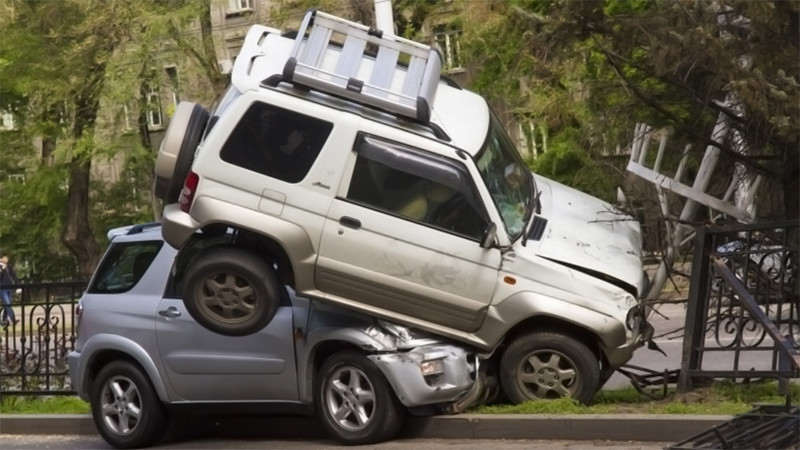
(549,365)
(125,407)
(354,400)
(231,292)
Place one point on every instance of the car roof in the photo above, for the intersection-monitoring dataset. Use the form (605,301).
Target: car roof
(139,232)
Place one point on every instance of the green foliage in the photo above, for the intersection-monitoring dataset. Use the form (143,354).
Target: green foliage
(601,67)
(565,161)
(70,71)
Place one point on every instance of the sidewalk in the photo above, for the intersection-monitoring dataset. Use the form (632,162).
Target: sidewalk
(614,427)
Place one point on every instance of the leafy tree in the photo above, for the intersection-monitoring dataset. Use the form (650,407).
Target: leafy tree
(599,67)
(63,64)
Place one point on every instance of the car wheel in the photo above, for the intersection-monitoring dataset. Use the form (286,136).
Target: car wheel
(176,153)
(355,402)
(230,291)
(549,365)
(125,407)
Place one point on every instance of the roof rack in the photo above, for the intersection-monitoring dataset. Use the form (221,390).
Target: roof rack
(318,61)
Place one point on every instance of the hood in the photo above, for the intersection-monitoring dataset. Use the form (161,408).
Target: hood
(588,234)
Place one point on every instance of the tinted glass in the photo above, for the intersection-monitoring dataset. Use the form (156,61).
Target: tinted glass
(123,266)
(276,142)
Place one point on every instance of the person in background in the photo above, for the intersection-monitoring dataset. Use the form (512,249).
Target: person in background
(8,278)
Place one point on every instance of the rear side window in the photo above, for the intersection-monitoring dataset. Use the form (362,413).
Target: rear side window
(276,142)
(123,266)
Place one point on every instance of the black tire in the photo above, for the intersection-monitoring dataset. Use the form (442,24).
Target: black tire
(125,408)
(230,291)
(189,136)
(355,402)
(548,365)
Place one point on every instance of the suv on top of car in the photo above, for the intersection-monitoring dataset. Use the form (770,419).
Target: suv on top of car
(421,212)
(140,357)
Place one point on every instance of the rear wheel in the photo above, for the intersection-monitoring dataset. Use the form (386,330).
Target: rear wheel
(230,291)
(549,365)
(355,402)
(125,407)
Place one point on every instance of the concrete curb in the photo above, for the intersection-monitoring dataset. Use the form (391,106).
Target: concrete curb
(616,427)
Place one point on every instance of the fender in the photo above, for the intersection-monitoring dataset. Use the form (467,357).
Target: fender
(103,342)
(354,335)
(525,305)
(292,238)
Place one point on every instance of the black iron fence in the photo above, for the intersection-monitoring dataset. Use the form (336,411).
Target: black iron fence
(743,314)
(33,351)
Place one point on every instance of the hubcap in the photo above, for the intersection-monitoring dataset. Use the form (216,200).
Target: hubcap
(121,405)
(227,298)
(547,374)
(350,398)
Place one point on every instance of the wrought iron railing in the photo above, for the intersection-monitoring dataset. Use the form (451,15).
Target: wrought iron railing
(743,314)
(33,352)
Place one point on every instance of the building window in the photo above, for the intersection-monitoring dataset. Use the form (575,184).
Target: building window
(447,39)
(155,120)
(172,75)
(239,6)
(7,121)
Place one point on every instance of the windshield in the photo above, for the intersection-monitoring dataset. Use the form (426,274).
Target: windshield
(507,177)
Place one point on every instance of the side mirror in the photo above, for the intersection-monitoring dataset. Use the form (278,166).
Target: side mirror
(489,235)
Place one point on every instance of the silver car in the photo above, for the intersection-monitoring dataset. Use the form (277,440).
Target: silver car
(139,354)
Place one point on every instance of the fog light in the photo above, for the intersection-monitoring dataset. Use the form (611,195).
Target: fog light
(431,367)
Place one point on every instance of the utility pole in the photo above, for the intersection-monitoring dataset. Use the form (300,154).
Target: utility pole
(383,16)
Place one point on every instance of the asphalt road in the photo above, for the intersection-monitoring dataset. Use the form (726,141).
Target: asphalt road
(73,442)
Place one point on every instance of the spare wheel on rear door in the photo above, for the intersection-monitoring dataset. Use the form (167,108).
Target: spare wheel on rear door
(176,153)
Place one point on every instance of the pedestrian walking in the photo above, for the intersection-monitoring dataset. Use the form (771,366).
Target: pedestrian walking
(8,278)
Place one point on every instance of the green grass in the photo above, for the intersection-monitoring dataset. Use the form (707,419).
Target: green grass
(723,397)
(43,405)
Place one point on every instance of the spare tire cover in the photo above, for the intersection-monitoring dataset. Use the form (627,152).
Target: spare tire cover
(176,153)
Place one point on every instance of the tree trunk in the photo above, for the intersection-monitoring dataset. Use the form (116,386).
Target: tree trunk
(77,235)
(218,81)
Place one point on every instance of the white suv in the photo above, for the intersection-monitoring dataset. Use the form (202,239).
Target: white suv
(377,186)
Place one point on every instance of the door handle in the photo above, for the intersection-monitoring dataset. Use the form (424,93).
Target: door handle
(170,312)
(350,222)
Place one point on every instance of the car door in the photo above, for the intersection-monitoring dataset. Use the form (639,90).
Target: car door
(403,236)
(205,366)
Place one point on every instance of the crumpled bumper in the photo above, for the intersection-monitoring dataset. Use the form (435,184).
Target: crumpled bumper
(642,333)
(429,374)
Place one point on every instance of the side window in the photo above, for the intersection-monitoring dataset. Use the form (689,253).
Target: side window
(276,142)
(405,182)
(123,266)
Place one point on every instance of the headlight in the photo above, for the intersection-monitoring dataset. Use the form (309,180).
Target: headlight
(630,320)
(431,367)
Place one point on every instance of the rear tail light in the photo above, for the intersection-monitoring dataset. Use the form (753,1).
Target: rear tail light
(78,311)
(189,189)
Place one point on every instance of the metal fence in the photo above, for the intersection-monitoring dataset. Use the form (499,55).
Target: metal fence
(33,352)
(743,314)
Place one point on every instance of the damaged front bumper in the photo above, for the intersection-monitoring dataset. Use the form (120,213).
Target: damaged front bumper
(641,332)
(430,374)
